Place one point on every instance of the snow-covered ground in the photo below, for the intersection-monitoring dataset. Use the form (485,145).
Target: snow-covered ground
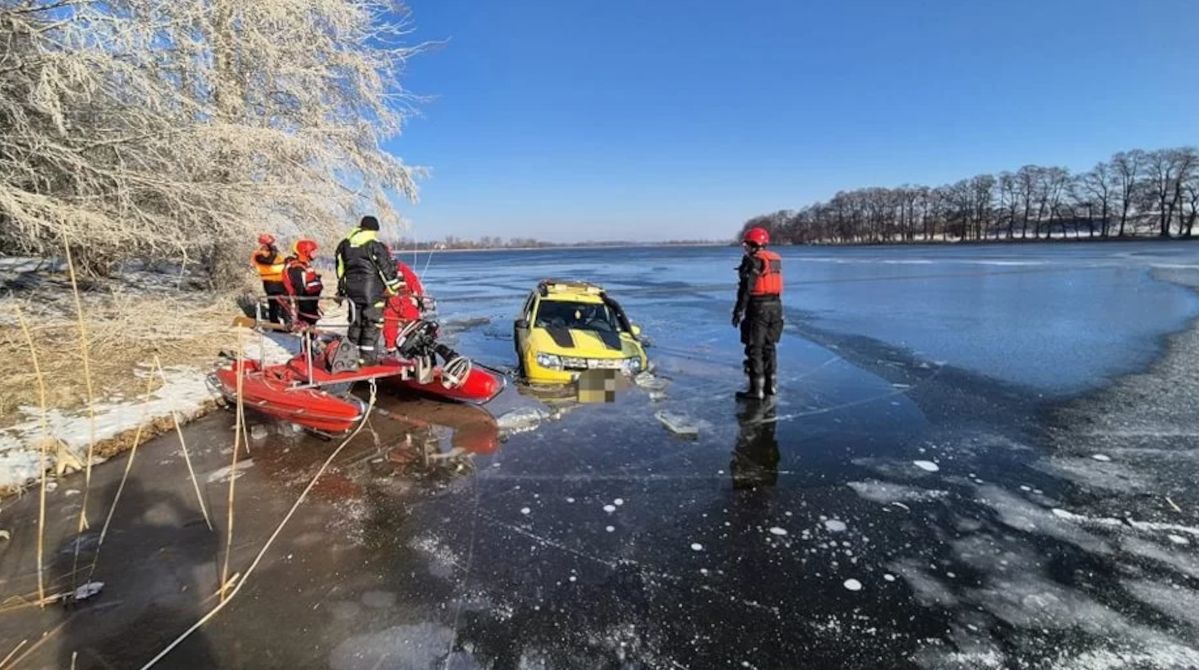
(185,395)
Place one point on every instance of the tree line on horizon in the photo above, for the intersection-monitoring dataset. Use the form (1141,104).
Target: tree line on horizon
(1134,193)
(453,242)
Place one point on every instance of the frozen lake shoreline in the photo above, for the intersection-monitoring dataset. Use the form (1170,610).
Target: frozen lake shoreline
(898,507)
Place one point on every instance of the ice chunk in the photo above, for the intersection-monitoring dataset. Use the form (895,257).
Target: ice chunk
(650,382)
(226,472)
(835,525)
(1178,539)
(522,420)
(525,510)
(853,585)
(1104,458)
(927,466)
(678,424)
(618,502)
(778,531)
(609,508)
(88,590)
(610,529)
(695,546)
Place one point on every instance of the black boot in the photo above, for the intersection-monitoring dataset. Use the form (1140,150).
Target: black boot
(771,385)
(756,390)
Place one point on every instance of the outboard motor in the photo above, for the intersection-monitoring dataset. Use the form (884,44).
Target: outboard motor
(418,342)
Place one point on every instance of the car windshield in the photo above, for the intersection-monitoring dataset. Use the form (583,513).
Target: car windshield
(576,315)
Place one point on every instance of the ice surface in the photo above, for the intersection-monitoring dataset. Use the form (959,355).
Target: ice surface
(889,493)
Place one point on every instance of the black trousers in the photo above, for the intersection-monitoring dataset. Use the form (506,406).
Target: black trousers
(368,321)
(760,332)
(277,292)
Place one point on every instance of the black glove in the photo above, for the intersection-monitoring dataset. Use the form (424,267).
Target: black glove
(737,317)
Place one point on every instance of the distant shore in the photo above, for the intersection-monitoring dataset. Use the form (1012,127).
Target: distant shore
(567,247)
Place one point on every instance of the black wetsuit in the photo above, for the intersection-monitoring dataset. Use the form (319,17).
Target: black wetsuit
(365,273)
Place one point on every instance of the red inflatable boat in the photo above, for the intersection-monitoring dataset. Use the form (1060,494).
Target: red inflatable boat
(314,397)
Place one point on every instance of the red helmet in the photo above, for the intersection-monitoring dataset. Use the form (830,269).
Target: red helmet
(266,238)
(304,248)
(757,235)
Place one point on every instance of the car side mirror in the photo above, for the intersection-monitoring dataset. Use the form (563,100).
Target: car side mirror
(523,324)
(635,329)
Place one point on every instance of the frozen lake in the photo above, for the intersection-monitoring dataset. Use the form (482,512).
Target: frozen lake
(912,499)
(1057,318)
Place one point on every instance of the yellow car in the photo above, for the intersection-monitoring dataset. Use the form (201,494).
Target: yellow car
(566,327)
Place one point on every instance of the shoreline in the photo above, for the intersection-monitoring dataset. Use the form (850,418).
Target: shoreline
(1134,438)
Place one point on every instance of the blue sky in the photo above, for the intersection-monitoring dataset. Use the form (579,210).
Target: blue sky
(656,119)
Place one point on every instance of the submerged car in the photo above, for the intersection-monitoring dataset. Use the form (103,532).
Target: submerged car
(567,327)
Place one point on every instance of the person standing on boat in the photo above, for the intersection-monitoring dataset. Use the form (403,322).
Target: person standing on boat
(303,284)
(269,263)
(759,313)
(366,273)
(404,307)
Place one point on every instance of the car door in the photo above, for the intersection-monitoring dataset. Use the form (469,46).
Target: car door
(520,328)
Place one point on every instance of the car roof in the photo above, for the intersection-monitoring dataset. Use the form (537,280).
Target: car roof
(556,289)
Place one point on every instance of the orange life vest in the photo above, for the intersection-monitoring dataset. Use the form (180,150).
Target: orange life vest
(770,280)
(271,271)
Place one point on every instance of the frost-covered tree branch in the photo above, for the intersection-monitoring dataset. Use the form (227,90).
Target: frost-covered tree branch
(178,128)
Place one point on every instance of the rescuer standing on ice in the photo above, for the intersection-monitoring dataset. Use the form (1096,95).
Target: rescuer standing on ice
(759,313)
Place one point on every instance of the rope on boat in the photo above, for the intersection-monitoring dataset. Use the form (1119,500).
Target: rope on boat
(270,540)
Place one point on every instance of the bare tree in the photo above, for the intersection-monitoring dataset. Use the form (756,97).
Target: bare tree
(1100,184)
(1129,167)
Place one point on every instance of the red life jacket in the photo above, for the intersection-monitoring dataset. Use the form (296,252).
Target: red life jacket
(770,280)
(312,285)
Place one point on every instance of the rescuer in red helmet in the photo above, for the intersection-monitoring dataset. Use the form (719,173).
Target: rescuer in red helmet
(303,285)
(269,263)
(406,306)
(759,313)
